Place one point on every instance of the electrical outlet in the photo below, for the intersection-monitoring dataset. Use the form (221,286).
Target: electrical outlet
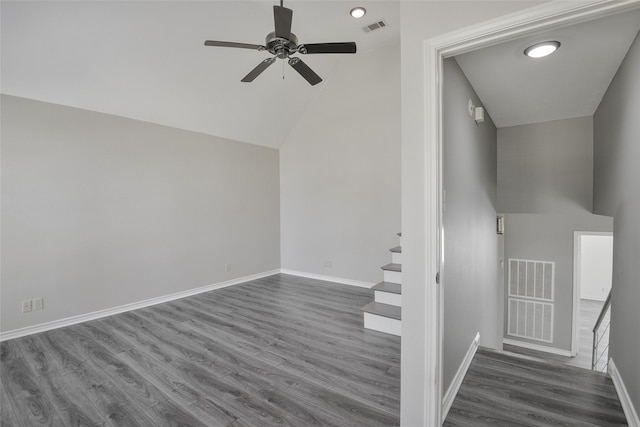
(26,305)
(38,304)
(227,267)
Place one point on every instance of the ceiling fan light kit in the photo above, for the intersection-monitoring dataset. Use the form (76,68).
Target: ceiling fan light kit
(282,44)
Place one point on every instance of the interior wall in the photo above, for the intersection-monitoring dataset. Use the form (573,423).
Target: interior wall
(550,238)
(546,167)
(545,189)
(596,266)
(470,280)
(99,211)
(340,173)
(616,178)
(420,21)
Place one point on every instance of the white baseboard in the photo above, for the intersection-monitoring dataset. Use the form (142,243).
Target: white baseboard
(55,324)
(537,347)
(625,400)
(454,387)
(357,283)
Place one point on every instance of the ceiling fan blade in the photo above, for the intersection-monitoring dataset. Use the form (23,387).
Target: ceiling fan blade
(304,70)
(258,70)
(234,44)
(345,47)
(282,18)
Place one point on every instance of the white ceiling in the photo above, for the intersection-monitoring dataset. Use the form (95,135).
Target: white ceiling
(518,90)
(146,59)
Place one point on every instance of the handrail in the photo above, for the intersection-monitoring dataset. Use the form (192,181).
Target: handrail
(605,307)
(595,358)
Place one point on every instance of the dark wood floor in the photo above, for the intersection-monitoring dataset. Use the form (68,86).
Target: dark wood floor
(282,351)
(510,390)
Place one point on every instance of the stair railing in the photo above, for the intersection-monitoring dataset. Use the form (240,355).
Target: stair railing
(601,330)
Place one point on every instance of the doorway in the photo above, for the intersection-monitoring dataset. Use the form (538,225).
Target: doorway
(593,270)
(435,50)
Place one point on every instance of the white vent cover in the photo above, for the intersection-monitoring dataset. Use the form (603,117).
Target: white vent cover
(531,299)
(531,279)
(375,26)
(531,319)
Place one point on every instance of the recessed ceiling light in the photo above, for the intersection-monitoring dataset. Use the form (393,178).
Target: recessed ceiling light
(358,12)
(539,50)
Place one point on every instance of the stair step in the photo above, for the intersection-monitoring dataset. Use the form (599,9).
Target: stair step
(393,288)
(384,310)
(393,267)
(397,249)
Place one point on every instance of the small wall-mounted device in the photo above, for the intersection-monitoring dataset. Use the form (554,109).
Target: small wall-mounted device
(476,112)
(500,225)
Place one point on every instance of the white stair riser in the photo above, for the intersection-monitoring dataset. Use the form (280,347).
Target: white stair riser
(382,324)
(396,257)
(392,276)
(388,298)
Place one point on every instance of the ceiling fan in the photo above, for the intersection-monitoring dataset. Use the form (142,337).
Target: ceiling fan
(282,43)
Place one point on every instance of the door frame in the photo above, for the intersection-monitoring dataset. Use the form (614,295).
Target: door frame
(577,252)
(544,17)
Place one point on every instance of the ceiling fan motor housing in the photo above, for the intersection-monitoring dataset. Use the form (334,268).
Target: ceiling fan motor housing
(281,47)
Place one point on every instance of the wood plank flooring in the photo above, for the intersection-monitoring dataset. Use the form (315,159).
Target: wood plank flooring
(278,351)
(508,390)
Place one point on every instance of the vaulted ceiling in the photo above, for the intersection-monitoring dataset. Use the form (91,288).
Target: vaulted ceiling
(147,60)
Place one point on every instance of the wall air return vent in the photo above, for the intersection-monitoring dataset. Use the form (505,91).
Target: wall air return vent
(531,302)
(375,26)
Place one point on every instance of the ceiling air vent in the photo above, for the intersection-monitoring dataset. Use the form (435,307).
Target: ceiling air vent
(375,26)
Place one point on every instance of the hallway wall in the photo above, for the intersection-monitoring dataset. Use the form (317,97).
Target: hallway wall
(616,193)
(546,167)
(470,279)
(550,238)
(545,190)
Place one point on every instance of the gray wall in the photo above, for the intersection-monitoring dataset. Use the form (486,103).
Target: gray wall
(100,211)
(616,193)
(340,173)
(550,238)
(546,167)
(545,190)
(471,288)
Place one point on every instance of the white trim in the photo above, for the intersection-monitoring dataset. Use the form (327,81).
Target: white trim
(350,282)
(625,400)
(382,324)
(451,393)
(55,324)
(543,17)
(575,318)
(531,346)
(387,298)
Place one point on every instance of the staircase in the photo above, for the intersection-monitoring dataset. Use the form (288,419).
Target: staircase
(383,314)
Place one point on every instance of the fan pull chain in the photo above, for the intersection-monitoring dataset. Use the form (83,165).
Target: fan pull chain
(283,69)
